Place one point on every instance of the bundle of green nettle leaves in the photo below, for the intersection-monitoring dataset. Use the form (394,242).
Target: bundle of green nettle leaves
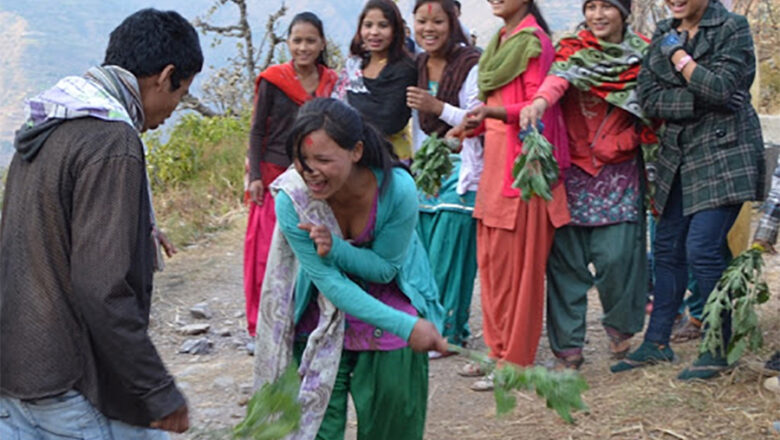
(535,170)
(739,291)
(273,411)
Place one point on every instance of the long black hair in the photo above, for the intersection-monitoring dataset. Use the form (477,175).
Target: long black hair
(534,10)
(346,127)
(312,19)
(397,50)
(456,35)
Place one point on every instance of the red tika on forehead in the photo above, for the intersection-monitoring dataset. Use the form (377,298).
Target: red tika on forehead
(430,7)
(307,140)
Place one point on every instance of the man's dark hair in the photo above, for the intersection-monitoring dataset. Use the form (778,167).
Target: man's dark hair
(147,41)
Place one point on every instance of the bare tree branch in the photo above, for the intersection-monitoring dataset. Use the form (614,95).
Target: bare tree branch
(190,102)
(228,31)
(270,34)
(228,89)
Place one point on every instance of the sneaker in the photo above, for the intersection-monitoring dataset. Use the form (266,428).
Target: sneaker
(706,366)
(773,384)
(649,353)
(774,362)
(472,369)
(484,384)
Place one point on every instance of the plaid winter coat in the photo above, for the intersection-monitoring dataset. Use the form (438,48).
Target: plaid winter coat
(719,153)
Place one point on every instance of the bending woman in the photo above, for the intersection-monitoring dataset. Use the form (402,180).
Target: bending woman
(377,73)
(513,236)
(697,77)
(362,308)
(279,91)
(446,90)
(603,185)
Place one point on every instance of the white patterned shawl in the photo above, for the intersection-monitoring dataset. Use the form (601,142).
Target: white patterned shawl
(276,326)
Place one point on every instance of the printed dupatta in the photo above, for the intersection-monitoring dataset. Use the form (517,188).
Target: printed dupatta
(276,318)
(610,71)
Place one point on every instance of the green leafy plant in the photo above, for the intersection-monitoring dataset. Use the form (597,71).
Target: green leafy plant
(432,164)
(273,411)
(535,170)
(197,170)
(739,291)
(562,390)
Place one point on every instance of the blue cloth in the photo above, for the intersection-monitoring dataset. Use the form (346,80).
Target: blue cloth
(697,241)
(449,234)
(693,303)
(448,198)
(69,415)
(395,254)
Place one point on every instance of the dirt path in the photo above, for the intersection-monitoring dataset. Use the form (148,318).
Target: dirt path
(643,404)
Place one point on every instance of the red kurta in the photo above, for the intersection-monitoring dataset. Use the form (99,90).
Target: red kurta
(513,236)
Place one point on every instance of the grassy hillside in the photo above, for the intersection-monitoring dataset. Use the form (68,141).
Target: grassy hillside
(197,174)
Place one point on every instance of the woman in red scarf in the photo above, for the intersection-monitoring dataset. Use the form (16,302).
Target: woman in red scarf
(279,91)
(594,77)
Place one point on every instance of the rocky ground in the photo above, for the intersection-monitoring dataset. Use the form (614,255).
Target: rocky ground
(643,404)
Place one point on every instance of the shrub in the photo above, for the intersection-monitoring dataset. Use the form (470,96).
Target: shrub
(197,174)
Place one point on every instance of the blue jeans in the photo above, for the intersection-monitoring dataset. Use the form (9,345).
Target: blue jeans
(67,416)
(693,303)
(697,241)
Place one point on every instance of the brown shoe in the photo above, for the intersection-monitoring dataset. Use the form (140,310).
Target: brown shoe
(619,343)
(688,331)
(572,362)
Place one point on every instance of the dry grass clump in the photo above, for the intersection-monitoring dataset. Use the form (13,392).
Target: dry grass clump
(646,403)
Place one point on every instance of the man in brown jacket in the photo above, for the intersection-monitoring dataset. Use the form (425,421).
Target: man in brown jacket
(77,246)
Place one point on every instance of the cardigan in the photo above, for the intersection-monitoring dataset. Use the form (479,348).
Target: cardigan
(718,153)
(395,254)
(599,133)
(272,121)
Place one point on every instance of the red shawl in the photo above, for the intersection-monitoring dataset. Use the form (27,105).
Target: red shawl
(283,76)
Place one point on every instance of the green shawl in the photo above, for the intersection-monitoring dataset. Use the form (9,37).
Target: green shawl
(501,63)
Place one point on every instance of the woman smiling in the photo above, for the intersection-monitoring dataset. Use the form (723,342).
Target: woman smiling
(595,78)
(513,236)
(697,77)
(363,308)
(279,91)
(377,73)
(446,90)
